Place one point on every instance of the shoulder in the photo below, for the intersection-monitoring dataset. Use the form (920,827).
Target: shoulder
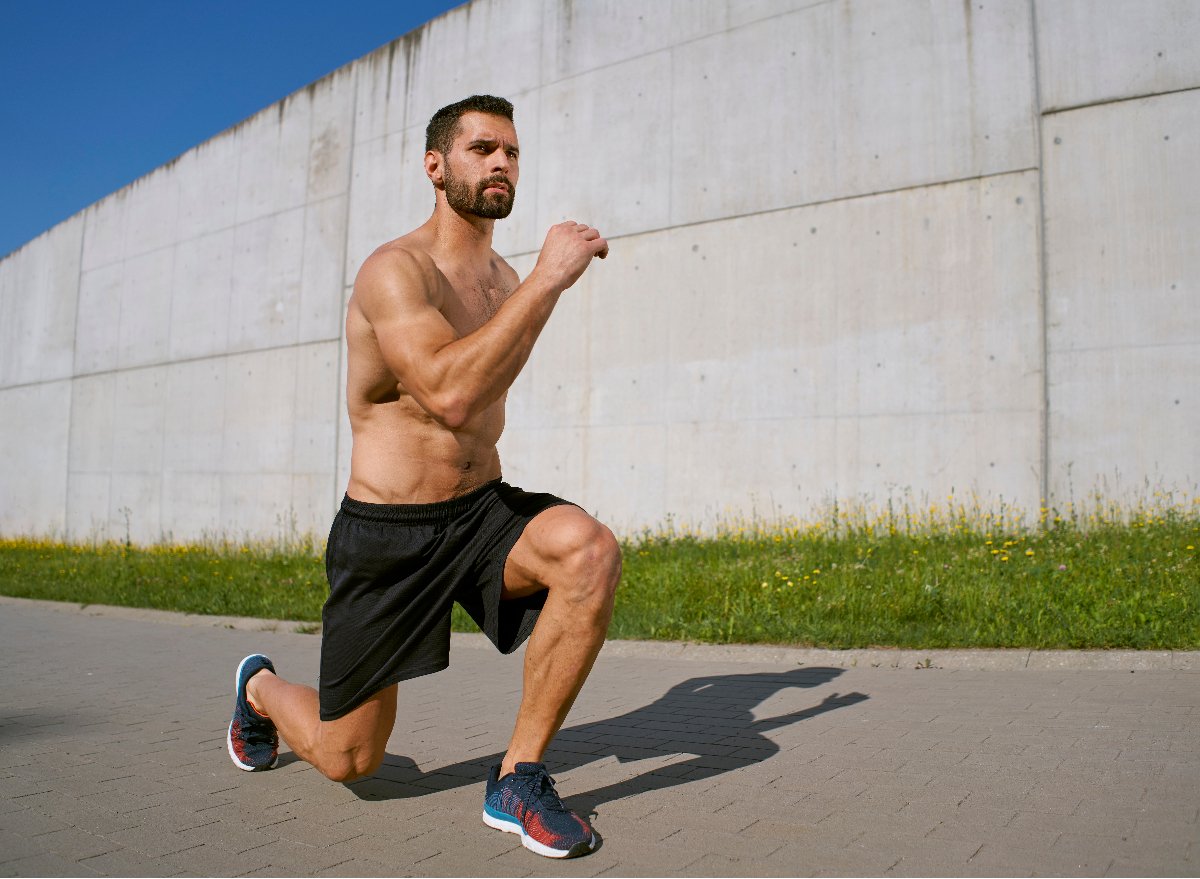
(397,274)
(506,271)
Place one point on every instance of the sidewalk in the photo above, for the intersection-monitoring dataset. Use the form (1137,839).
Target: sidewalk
(689,760)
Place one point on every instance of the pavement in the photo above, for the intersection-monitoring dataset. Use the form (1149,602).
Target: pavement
(688,760)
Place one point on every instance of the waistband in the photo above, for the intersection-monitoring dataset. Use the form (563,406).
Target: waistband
(418,514)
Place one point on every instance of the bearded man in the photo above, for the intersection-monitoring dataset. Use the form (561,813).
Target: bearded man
(438,328)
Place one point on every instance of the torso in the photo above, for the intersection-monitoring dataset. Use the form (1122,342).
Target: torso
(401,454)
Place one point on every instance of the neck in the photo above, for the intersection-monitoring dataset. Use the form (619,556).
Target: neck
(461,234)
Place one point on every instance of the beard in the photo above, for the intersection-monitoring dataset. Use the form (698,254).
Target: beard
(472,199)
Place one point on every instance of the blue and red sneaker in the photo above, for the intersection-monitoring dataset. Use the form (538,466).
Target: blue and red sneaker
(252,740)
(525,802)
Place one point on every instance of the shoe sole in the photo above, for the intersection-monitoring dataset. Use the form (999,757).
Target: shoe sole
(237,686)
(508,824)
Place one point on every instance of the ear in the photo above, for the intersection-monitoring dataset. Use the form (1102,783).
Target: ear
(434,168)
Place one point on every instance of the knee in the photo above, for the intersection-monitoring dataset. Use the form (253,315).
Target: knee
(591,559)
(351,765)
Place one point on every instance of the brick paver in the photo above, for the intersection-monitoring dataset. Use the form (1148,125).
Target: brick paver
(112,762)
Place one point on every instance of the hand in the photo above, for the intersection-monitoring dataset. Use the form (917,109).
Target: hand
(568,251)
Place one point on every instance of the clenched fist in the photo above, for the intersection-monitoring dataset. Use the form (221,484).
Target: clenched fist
(568,251)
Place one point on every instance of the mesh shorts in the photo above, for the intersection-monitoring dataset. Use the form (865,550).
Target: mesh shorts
(395,571)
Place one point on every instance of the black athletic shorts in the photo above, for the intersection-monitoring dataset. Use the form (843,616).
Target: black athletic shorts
(395,571)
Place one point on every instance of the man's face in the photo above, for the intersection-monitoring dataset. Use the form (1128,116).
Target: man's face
(480,174)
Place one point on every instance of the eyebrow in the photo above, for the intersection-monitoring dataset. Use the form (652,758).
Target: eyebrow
(492,142)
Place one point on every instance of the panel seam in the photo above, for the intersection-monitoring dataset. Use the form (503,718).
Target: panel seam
(810,204)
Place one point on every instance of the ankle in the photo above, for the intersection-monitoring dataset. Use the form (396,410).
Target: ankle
(253,690)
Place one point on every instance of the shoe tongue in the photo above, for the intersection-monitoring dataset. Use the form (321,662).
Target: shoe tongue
(530,768)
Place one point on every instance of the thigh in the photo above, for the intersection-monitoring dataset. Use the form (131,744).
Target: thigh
(536,560)
(369,725)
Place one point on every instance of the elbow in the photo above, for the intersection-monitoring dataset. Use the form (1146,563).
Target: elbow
(451,412)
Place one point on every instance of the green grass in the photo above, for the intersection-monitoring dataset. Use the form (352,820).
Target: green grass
(1133,587)
(932,578)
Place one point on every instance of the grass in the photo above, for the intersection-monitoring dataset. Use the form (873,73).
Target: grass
(954,575)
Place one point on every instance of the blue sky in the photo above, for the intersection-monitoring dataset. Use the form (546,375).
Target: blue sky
(95,95)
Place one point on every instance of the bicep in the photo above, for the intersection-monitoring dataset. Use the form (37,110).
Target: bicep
(410,331)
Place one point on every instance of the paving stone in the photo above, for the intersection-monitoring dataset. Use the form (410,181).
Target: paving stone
(75,844)
(124,862)
(916,772)
(45,865)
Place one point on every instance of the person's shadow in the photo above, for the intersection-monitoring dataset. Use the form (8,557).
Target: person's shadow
(708,718)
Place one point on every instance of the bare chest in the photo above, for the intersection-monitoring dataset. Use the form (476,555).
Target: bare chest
(473,300)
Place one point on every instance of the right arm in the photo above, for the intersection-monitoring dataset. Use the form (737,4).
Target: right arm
(452,378)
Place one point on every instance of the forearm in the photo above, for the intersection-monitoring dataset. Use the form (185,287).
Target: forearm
(471,373)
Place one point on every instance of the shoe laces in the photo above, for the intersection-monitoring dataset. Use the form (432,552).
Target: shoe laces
(256,731)
(540,787)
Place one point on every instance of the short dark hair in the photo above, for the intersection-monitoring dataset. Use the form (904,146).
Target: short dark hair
(444,126)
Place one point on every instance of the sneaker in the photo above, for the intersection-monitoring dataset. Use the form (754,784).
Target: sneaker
(252,739)
(525,802)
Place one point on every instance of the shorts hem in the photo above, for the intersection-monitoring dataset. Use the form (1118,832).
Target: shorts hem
(407,674)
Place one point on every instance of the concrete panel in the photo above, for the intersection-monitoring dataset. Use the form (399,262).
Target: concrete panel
(721,469)
(753,121)
(191,505)
(33,445)
(144,335)
(135,503)
(853,98)
(605,149)
(200,296)
(930,92)
(208,185)
(312,506)
(1091,51)
(484,47)
(332,124)
(256,504)
(104,231)
(98,320)
(264,308)
(139,414)
(93,400)
(381,91)
(314,424)
(552,459)
(578,36)
(1127,414)
(260,400)
(627,472)
(320,312)
(752,329)
(1123,224)
(88,506)
(273,161)
(938,300)
(194,422)
(993,454)
(152,212)
(39,292)
(383,170)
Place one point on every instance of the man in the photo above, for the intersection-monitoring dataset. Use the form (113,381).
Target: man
(438,328)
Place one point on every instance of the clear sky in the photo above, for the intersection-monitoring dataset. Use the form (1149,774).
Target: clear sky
(94,95)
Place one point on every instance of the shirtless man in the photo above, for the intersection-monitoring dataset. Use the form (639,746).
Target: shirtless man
(438,328)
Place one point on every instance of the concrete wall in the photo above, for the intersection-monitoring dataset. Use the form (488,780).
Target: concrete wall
(856,244)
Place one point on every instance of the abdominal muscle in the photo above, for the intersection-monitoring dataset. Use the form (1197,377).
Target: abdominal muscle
(402,456)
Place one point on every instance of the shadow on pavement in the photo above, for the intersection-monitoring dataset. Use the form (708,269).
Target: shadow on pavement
(708,719)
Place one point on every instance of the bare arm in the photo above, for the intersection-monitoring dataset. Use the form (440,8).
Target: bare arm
(452,378)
